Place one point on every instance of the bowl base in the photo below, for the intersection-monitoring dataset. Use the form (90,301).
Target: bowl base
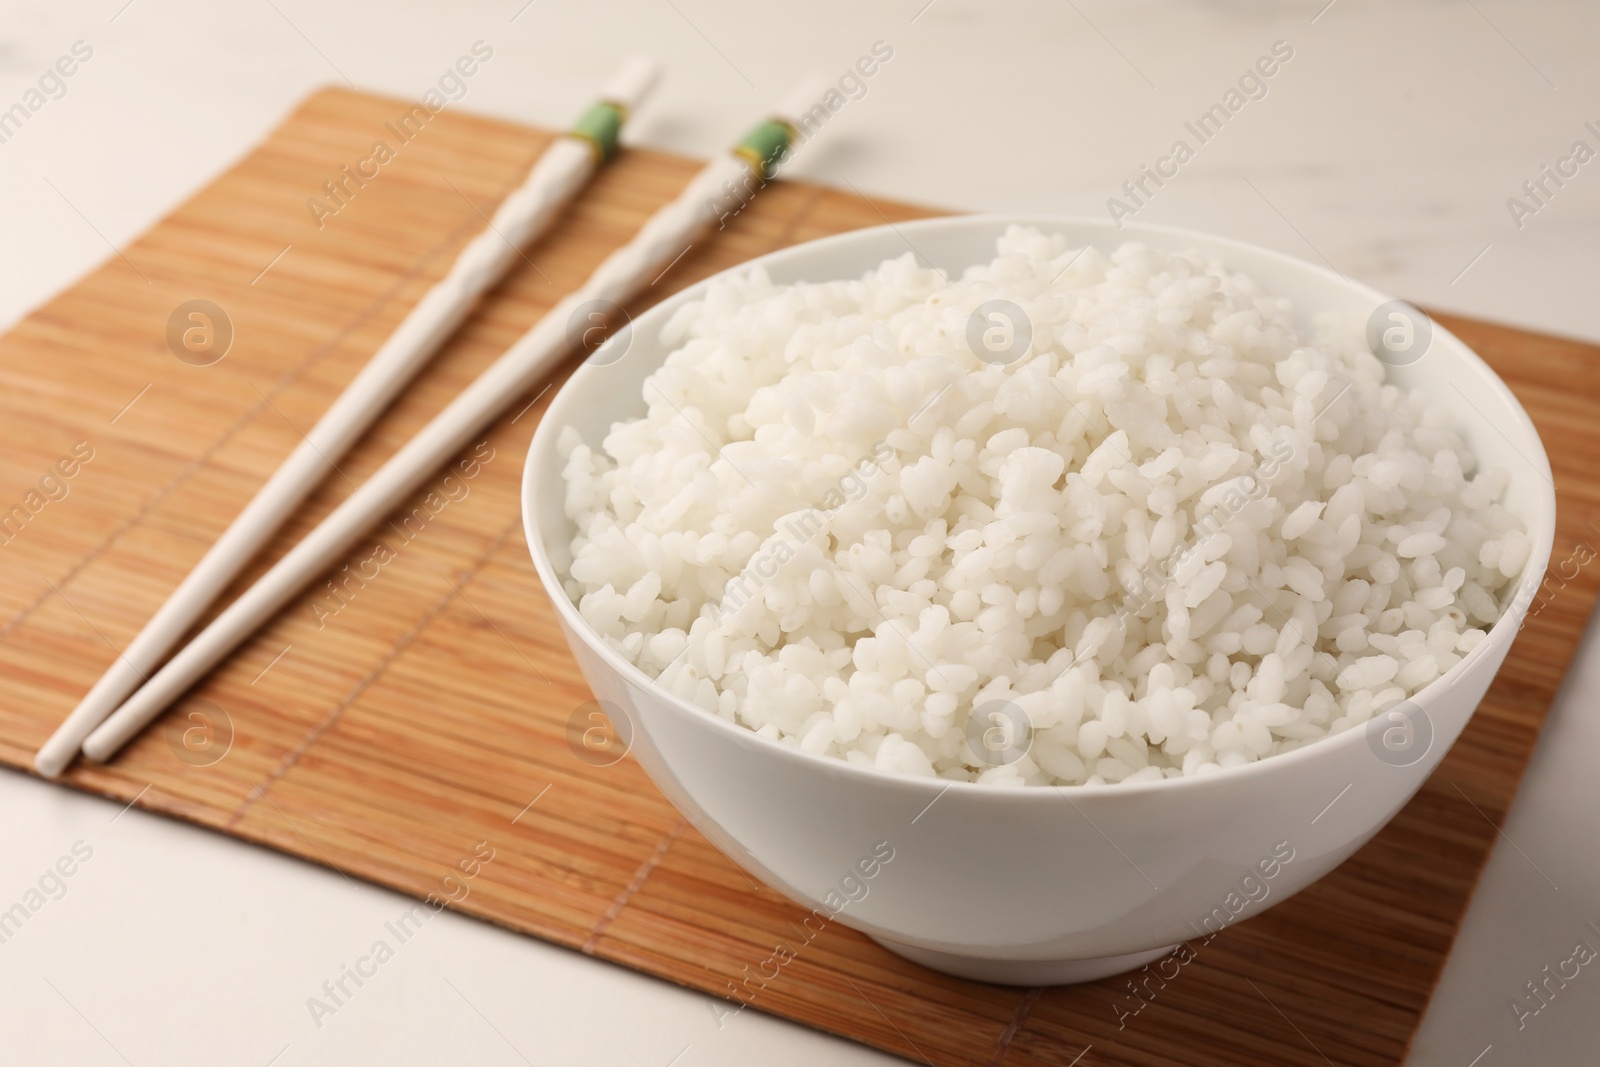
(1025,972)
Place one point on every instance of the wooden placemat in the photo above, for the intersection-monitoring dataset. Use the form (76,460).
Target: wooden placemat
(387,726)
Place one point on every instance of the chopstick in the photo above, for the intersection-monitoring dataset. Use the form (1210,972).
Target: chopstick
(561,171)
(721,188)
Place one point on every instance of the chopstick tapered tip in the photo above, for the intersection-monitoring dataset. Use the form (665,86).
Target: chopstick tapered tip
(99,747)
(52,760)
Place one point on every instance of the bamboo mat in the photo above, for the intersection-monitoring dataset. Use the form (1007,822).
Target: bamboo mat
(433,709)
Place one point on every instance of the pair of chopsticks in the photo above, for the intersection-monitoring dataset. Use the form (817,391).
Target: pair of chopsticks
(129,696)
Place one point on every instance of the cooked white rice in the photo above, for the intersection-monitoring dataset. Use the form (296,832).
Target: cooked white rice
(1176,535)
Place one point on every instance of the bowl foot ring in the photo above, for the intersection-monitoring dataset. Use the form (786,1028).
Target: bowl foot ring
(1026,972)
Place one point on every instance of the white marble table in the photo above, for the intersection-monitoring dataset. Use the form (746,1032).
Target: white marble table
(1388,144)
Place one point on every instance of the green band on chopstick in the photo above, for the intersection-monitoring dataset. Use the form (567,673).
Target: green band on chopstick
(599,126)
(765,146)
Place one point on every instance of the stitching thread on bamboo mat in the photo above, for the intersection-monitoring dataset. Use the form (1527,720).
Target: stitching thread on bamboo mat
(286,379)
(395,650)
(1024,1006)
(639,878)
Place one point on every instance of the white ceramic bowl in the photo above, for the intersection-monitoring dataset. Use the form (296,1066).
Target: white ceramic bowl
(1036,886)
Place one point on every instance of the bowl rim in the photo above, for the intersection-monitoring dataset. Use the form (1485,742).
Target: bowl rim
(1499,636)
